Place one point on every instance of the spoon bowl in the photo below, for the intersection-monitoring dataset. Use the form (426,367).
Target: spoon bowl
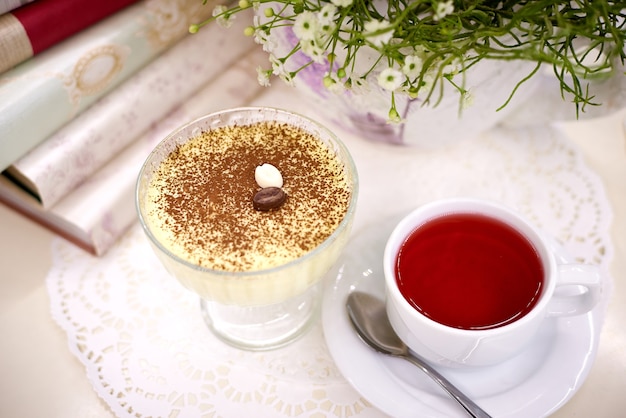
(369,318)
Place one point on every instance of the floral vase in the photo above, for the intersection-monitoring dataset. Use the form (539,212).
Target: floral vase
(365,111)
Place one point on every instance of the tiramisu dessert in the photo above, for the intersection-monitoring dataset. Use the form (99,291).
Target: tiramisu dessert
(240,203)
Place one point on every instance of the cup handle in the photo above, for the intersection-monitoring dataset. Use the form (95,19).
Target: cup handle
(578,290)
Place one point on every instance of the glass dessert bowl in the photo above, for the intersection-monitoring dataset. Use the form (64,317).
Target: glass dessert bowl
(249,208)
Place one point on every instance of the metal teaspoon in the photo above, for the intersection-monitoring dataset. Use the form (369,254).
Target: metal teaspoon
(369,318)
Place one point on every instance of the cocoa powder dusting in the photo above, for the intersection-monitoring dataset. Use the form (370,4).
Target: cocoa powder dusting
(202,195)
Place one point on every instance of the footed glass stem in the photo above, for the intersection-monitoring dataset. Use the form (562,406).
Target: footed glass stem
(265,327)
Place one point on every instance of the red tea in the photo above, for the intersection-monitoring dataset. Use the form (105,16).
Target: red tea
(469,271)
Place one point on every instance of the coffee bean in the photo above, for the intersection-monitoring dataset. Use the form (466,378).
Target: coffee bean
(269,198)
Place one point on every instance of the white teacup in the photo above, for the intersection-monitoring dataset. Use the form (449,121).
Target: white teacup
(439,322)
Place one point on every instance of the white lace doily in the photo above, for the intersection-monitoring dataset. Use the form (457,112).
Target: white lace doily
(146,349)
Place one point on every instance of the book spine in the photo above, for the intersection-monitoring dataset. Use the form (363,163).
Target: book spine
(43,93)
(72,154)
(31,29)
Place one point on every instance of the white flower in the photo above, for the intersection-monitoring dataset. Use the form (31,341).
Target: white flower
(287,78)
(262,36)
(342,3)
(312,50)
(326,19)
(428,81)
(360,85)
(326,30)
(263,76)
(374,26)
(412,66)
(327,14)
(305,25)
(390,79)
(270,44)
(279,69)
(451,69)
(333,84)
(225,21)
(443,9)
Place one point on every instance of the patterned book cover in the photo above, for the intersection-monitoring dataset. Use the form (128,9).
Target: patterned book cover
(68,157)
(45,92)
(35,27)
(96,213)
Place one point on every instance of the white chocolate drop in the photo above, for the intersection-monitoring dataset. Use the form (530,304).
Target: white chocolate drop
(266,175)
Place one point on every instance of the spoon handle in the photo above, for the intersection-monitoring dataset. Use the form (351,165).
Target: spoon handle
(469,405)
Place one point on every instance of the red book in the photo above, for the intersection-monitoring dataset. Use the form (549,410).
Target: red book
(31,29)
(8,5)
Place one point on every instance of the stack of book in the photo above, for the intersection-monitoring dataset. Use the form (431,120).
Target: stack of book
(80,112)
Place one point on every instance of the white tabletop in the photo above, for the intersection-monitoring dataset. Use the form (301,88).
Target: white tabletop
(40,377)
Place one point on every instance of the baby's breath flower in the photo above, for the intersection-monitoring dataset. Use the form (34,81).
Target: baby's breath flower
(262,36)
(223,17)
(360,85)
(451,68)
(269,44)
(312,50)
(390,79)
(342,3)
(412,66)
(219,10)
(305,25)
(373,26)
(263,76)
(326,30)
(338,33)
(333,84)
(327,14)
(428,80)
(287,77)
(326,20)
(443,9)
(278,66)
(279,69)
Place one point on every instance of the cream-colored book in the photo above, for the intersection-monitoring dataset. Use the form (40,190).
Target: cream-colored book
(45,92)
(96,213)
(71,155)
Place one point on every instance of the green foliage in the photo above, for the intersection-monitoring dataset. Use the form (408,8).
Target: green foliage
(579,39)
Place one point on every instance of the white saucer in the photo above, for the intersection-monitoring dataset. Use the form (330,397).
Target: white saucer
(535,383)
